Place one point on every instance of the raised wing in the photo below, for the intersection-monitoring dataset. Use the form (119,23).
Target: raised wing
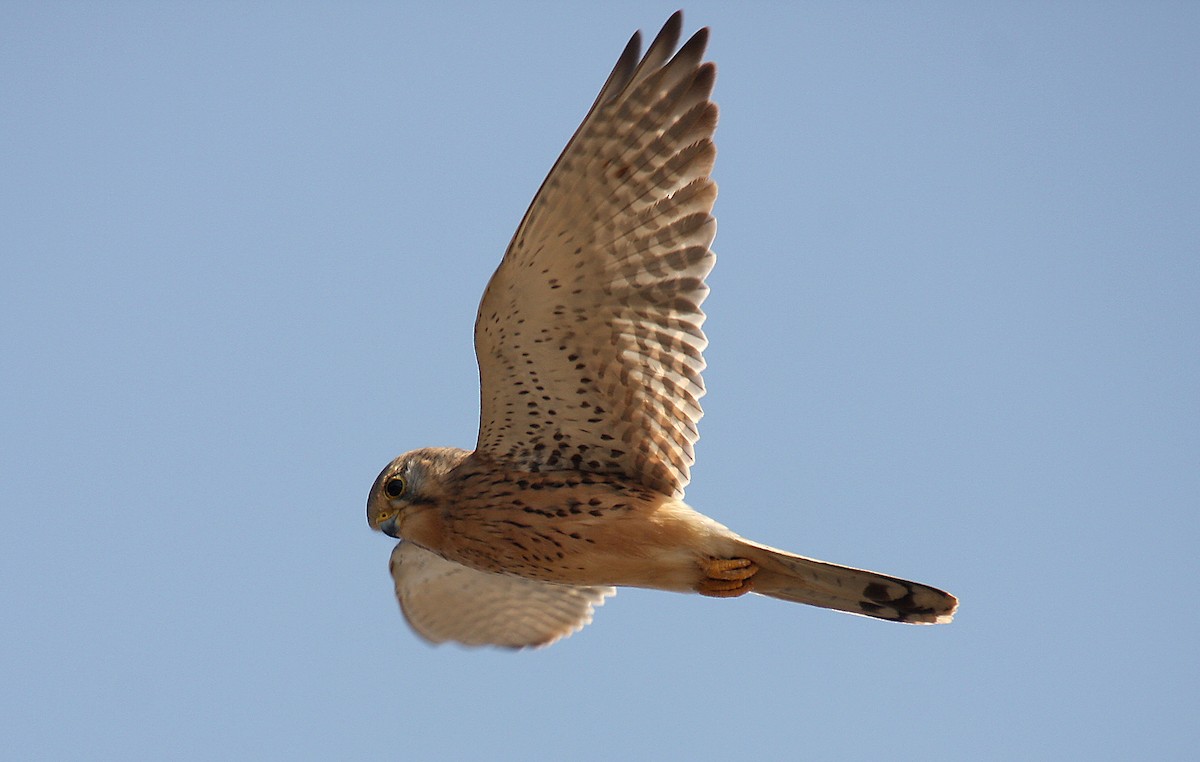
(589,334)
(444,601)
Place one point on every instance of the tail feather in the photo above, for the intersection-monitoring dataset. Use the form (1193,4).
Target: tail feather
(857,591)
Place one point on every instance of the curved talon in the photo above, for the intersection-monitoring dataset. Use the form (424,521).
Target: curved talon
(727,577)
(730,568)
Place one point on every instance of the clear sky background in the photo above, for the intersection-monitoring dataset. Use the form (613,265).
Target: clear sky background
(955,327)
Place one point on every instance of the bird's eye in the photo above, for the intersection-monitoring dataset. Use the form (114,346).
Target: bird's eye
(395,486)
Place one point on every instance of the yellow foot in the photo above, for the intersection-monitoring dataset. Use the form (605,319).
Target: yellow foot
(726,577)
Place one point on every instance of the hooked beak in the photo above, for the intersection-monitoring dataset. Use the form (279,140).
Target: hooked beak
(389,527)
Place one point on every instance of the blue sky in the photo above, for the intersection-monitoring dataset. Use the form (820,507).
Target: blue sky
(954,325)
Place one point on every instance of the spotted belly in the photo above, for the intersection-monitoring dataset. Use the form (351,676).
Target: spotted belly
(578,529)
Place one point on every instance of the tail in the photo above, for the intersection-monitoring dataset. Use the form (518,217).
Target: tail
(856,591)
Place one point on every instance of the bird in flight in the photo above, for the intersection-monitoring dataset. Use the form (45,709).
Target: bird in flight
(590,347)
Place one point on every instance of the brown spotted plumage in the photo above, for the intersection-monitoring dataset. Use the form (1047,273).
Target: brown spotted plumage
(589,339)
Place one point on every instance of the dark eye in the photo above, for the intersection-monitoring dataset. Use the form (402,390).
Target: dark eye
(395,486)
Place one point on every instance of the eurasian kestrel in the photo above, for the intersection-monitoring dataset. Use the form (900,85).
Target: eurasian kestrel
(590,348)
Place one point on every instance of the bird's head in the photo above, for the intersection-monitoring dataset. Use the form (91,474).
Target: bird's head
(414,480)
